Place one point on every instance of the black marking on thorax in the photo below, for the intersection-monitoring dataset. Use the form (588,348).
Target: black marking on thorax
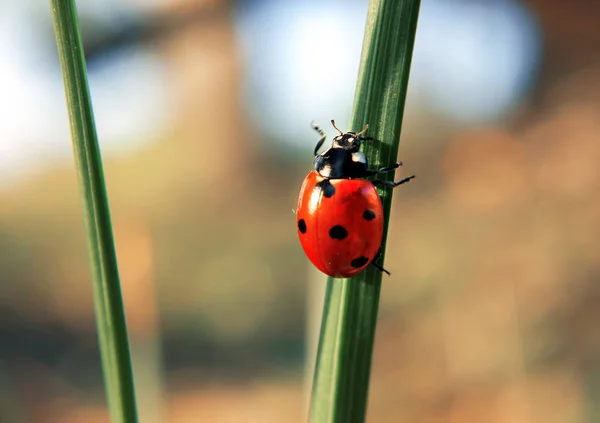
(337,163)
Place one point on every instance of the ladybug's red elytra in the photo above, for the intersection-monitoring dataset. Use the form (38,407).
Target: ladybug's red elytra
(339,215)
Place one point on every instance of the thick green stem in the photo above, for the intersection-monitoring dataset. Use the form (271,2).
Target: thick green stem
(341,382)
(110,317)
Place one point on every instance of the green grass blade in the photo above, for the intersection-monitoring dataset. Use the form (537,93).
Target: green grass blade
(110,317)
(341,382)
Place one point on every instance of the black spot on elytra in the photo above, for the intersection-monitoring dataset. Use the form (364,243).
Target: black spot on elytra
(369,215)
(338,232)
(302,226)
(326,187)
(359,262)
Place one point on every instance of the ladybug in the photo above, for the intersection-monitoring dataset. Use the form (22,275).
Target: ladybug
(339,215)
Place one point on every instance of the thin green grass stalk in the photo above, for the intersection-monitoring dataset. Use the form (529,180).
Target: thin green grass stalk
(110,316)
(341,382)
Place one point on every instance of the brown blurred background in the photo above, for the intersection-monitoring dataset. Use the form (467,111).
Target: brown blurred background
(203,109)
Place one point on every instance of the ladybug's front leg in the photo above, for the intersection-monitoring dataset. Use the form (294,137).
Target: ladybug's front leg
(390,168)
(392,184)
(323,136)
(383,169)
(377,265)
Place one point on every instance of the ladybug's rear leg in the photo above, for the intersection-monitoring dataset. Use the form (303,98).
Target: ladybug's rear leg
(323,136)
(392,184)
(377,265)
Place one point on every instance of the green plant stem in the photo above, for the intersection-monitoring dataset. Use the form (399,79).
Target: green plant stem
(341,382)
(110,317)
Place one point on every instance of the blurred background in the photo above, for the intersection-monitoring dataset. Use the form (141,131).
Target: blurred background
(203,111)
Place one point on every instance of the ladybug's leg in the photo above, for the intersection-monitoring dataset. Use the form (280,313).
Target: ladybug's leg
(323,137)
(382,170)
(390,168)
(392,184)
(377,265)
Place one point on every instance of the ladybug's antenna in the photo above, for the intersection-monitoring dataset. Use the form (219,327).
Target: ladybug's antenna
(363,131)
(333,123)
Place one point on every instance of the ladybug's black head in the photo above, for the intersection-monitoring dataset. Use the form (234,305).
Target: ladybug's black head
(349,140)
(343,159)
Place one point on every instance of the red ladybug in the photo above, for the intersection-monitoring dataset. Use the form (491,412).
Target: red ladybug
(339,215)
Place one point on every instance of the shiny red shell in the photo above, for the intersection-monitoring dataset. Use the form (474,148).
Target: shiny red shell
(340,224)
